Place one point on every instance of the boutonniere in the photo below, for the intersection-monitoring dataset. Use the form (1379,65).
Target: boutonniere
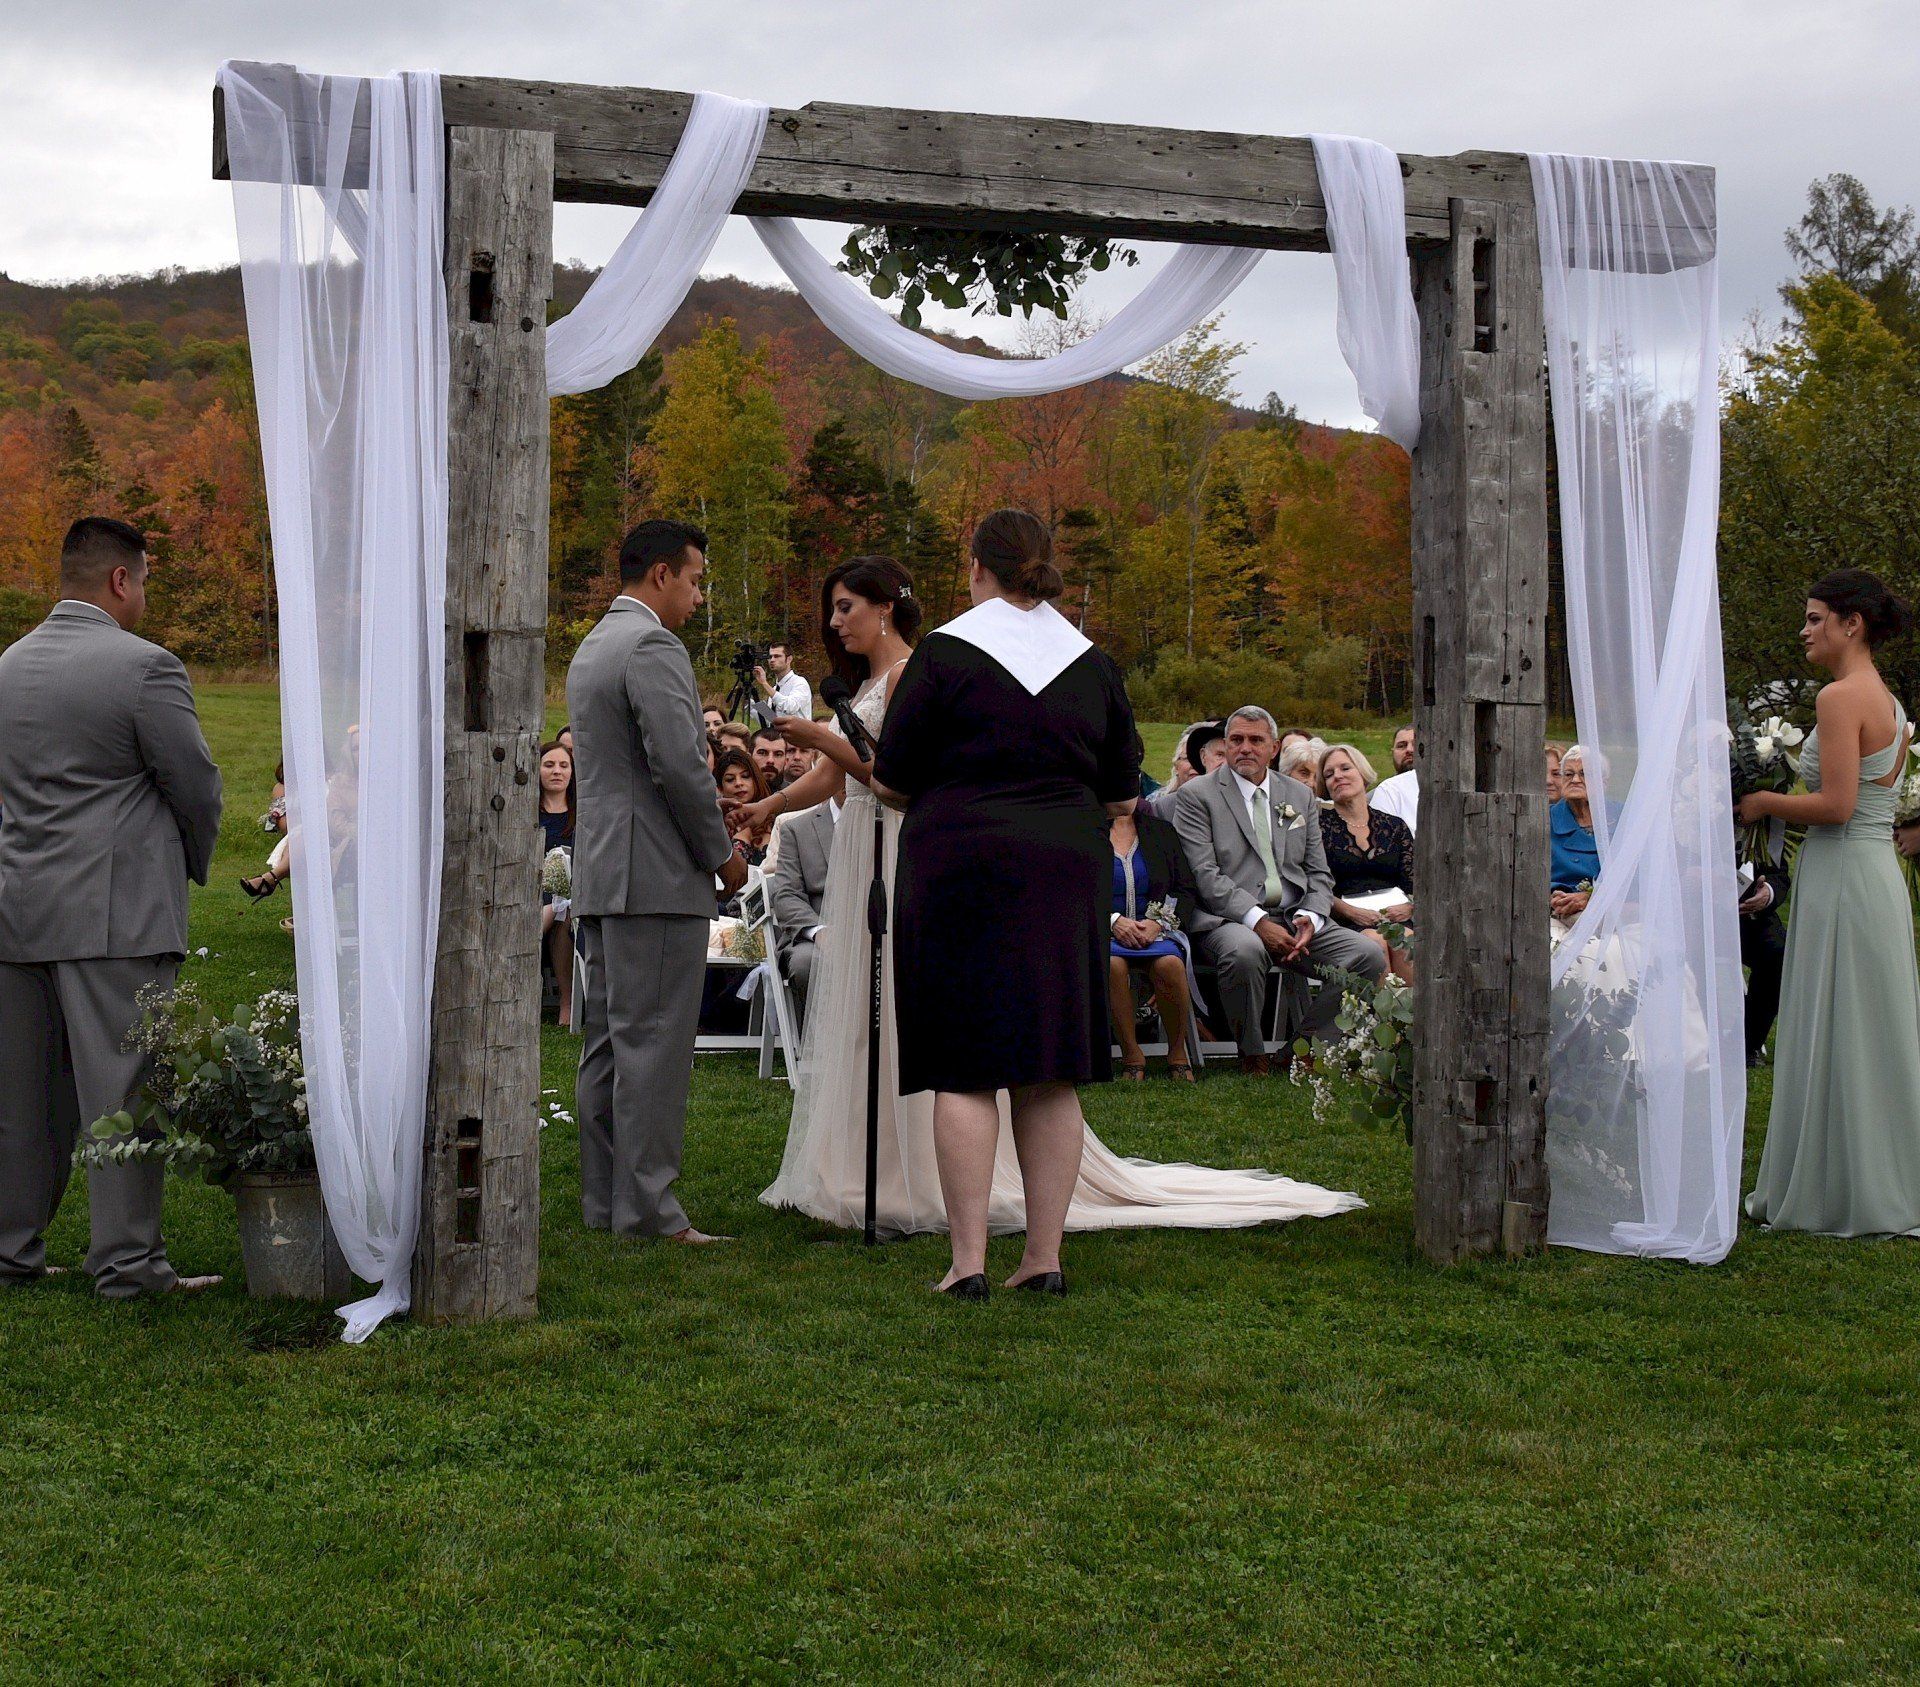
(1291,816)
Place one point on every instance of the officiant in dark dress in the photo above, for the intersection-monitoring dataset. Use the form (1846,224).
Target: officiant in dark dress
(1010,744)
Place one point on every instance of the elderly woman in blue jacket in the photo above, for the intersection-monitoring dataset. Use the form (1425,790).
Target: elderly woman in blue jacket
(1574,854)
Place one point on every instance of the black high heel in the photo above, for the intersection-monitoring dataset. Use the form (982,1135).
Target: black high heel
(1044,1283)
(966,1288)
(258,890)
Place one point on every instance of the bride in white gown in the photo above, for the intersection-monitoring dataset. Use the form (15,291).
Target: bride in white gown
(870,613)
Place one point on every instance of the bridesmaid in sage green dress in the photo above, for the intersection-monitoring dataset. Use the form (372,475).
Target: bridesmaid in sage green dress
(1842,1156)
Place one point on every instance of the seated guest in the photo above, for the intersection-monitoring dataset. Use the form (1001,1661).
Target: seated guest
(1403,750)
(714,715)
(1300,759)
(770,757)
(1202,747)
(564,737)
(799,760)
(739,781)
(800,890)
(1574,855)
(1368,853)
(1252,838)
(1400,795)
(735,735)
(1554,753)
(559,807)
(280,859)
(1150,871)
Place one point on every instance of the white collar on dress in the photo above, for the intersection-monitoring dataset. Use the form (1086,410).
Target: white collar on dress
(1034,645)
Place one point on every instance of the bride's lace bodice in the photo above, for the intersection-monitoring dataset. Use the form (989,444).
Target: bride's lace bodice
(870,710)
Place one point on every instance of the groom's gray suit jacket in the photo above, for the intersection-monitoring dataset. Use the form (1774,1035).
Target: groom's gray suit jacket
(1210,814)
(648,838)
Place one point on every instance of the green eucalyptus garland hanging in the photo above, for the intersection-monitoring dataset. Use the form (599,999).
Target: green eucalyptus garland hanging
(990,272)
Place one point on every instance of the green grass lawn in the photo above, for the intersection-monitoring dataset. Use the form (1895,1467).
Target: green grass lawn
(1290,1453)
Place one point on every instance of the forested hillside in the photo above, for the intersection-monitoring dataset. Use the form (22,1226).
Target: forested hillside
(1214,547)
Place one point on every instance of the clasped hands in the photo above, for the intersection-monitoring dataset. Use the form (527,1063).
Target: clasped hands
(1285,943)
(1137,934)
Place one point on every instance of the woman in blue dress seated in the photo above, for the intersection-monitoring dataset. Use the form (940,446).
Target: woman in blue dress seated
(1153,901)
(1574,854)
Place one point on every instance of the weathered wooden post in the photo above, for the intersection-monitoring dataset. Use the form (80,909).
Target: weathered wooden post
(1480,609)
(478,1254)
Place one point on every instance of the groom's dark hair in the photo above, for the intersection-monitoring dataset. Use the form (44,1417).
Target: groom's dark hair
(94,547)
(658,541)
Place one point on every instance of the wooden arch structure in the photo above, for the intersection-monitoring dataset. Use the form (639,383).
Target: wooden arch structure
(1479,529)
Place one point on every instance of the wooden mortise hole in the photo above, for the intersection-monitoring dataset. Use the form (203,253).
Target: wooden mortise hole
(480,288)
(1426,659)
(466,1177)
(1483,295)
(1486,748)
(479,711)
(1486,1103)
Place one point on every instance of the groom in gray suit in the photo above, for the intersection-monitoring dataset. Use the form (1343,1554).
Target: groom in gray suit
(110,803)
(1252,837)
(647,842)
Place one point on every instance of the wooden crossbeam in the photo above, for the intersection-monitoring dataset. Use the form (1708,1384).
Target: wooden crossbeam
(944,169)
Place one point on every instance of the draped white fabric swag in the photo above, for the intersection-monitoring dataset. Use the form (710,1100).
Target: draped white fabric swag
(1647,1099)
(340,260)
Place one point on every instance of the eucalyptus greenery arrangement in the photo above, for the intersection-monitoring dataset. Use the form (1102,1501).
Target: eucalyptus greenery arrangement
(990,272)
(1375,1045)
(222,1097)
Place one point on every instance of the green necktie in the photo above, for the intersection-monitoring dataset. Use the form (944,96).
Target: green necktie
(1263,833)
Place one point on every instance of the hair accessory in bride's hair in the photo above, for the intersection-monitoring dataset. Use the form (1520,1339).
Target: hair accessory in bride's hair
(906,591)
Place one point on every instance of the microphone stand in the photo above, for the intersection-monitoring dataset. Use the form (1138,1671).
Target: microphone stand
(863,747)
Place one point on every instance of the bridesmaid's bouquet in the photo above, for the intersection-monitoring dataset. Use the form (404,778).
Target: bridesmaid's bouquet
(556,873)
(1763,758)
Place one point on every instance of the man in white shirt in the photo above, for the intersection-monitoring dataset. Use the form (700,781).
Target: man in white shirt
(1400,795)
(781,691)
(1252,837)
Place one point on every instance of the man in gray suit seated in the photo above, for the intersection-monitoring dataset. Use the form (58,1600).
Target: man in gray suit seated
(112,803)
(1253,839)
(800,891)
(647,842)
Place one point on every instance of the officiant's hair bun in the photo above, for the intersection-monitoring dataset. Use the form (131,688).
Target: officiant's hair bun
(1853,591)
(1017,550)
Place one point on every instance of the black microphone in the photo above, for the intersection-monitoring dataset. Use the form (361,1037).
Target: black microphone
(838,696)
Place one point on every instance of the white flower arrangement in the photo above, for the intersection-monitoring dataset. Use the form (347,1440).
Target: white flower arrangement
(556,872)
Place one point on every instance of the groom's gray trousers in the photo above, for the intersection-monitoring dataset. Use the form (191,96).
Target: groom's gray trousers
(640,1015)
(63,1064)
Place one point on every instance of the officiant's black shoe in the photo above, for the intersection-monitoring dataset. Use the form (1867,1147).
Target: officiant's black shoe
(1044,1283)
(966,1288)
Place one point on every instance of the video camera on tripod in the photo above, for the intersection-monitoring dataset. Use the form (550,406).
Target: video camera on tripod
(746,657)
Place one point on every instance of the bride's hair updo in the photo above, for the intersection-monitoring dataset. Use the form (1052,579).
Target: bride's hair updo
(1017,550)
(1853,591)
(878,579)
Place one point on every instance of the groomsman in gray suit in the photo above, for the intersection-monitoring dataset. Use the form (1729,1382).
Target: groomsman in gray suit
(111,804)
(1266,896)
(800,891)
(647,842)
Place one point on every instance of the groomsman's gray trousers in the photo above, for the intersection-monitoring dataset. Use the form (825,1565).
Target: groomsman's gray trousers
(639,1017)
(63,1064)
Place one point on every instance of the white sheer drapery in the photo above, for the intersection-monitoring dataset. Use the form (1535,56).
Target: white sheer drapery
(1379,324)
(340,259)
(622,313)
(1192,286)
(1648,1080)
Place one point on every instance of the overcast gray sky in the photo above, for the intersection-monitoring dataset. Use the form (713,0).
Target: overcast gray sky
(104,125)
